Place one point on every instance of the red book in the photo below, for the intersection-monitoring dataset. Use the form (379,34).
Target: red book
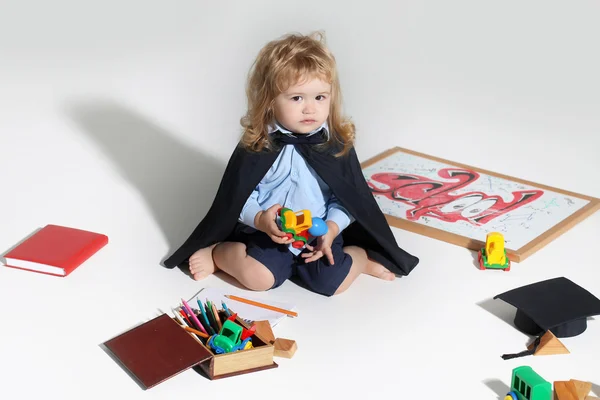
(157,350)
(55,250)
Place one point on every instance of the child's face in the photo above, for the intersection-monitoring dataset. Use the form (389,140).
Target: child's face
(304,106)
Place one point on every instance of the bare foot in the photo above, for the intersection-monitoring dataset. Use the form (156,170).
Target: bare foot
(379,271)
(202,264)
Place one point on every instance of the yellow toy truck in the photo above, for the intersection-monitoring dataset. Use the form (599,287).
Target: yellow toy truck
(299,225)
(493,255)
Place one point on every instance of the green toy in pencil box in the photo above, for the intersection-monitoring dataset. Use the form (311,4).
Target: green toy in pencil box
(299,225)
(526,384)
(229,339)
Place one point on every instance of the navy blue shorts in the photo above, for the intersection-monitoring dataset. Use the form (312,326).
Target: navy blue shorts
(318,276)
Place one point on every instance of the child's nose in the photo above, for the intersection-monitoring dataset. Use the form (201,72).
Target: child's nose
(309,108)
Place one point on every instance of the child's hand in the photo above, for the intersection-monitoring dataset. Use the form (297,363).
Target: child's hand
(323,247)
(265,222)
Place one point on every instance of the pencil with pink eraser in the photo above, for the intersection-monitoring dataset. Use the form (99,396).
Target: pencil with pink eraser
(194,318)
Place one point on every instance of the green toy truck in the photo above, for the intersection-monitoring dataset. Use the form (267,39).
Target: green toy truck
(526,384)
(229,339)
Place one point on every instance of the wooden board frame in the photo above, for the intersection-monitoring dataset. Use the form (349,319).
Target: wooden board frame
(517,255)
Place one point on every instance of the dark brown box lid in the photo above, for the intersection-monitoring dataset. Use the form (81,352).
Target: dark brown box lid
(157,350)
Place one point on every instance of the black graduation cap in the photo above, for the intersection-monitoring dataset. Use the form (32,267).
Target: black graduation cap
(557,305)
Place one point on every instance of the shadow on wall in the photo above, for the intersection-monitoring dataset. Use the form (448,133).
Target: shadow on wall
(177,182)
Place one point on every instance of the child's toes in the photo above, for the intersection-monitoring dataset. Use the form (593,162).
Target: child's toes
(389,276)
(198,275)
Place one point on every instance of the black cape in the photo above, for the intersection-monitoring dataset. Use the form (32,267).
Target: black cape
(344,176)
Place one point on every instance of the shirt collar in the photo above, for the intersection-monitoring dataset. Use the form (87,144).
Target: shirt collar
(276,126)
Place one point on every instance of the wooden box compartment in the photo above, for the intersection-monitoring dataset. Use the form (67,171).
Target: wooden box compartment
(258,358)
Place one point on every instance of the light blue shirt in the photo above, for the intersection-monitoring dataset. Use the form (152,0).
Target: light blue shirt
(292,183)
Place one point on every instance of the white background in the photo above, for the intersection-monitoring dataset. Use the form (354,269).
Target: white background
(119,117)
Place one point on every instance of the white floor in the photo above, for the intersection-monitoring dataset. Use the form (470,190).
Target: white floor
(119,118)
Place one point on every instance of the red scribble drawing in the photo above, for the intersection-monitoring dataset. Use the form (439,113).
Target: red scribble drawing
(432,198)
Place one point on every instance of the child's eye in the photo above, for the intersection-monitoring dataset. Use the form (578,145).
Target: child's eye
(320,97)
(296,98)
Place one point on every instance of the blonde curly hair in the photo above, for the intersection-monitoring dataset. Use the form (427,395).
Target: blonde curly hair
(283,63)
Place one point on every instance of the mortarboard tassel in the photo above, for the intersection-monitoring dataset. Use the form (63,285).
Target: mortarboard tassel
(536,343)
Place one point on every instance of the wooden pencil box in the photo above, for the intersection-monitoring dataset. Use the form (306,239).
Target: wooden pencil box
(159,349)
(258,358)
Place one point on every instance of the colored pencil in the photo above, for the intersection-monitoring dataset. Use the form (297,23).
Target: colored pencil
(227,312)
(216,314)
(261,305)
(204,319)
(194,318)
(178,316)
(184,315)
(211,316)
(197,332)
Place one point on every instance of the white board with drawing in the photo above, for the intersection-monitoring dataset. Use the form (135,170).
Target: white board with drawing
(462,204)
